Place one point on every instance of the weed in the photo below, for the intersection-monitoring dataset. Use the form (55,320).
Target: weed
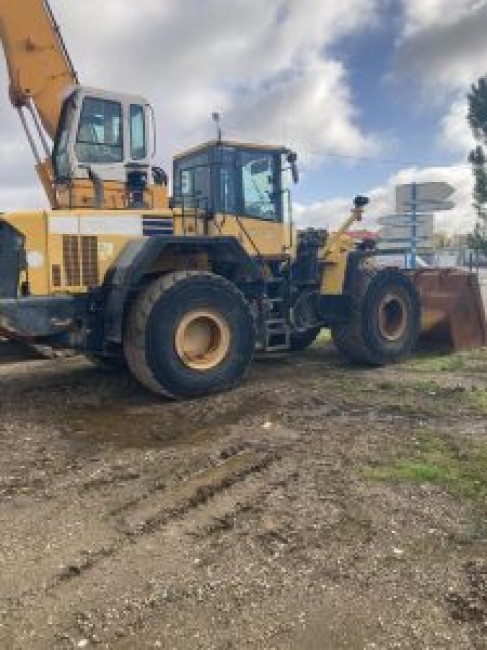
(439,461)
(324,337)
(474,361)
(477,399)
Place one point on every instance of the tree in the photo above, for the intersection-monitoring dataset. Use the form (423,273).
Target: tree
(477,158)
(477,118)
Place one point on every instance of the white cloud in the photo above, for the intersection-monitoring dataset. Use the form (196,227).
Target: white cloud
(312,111)
(425,14)
(330,214)
(443,44)
(455,134)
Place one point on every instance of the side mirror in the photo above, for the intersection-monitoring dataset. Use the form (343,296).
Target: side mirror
(292,158)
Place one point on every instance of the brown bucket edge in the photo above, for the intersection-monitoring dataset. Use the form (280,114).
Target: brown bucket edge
(452,309)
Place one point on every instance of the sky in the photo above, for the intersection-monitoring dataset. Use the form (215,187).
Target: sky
(370,93)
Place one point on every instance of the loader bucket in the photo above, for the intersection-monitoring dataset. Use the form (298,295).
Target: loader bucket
(452,309)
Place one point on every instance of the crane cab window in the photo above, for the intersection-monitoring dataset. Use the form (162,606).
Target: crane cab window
(99,138)
(138,149)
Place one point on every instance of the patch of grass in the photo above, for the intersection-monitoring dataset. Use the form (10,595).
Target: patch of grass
(324,337)
(439,461)
(478,400)
(473,361)
(439,363)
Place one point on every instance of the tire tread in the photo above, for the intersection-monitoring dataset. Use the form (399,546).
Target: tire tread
(135,331)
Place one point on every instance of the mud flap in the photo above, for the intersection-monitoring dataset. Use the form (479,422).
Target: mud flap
(452,309)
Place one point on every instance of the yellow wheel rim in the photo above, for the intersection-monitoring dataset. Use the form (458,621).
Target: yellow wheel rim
(202,339)
(393,319)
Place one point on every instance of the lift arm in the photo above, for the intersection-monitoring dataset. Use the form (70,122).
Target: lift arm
(38,63)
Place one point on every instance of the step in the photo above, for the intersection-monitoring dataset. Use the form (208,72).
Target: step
(277,335)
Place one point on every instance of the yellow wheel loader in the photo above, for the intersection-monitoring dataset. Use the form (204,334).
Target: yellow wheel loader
(182,289)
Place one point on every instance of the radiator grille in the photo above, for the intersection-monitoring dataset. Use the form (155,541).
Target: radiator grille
(89,261)
(71,260)
(79,271)
(56,275)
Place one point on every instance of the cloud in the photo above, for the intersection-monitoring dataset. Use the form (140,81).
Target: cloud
(330,214)
(311,110)
(455,133)
(425,14)
(443,44)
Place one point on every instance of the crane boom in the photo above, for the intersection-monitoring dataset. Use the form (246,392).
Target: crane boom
(91,147)
(39,65)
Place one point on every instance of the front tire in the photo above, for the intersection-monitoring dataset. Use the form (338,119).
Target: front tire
(385,321)
(189,334)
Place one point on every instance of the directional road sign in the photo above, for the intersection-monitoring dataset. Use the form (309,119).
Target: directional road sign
(421,197)
(405,243)
(422,230)
(406,231)
(404,219)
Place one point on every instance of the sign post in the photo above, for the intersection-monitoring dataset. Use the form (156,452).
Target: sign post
(413,229)
(413,222)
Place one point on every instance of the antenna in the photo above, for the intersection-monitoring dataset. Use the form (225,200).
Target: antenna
(216,118)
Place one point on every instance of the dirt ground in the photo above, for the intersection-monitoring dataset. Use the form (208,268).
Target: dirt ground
(318,506)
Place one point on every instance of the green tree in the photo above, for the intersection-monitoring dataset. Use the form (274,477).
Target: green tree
(477,118)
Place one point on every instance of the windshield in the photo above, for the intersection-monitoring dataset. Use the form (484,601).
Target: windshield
(99,138)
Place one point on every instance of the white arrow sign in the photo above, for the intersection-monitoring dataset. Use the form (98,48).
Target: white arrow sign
(423,231)
(404,219)
(424,196)
(402,244)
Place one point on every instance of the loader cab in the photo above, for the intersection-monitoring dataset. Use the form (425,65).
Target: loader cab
(236,179)
(103,133)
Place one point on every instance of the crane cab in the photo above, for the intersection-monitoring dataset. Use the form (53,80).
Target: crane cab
(105,141)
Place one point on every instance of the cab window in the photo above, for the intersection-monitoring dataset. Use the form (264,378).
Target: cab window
(99,138)
(226,179)
(137,132)
(192,181)
(259,185)
(60,155)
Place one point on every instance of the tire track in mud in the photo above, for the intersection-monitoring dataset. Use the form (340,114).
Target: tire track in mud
(156,509)
(223,512)
(197,507)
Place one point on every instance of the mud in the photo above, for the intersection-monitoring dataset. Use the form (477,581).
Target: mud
(316,506)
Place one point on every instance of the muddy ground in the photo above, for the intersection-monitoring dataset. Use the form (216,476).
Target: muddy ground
(315,507)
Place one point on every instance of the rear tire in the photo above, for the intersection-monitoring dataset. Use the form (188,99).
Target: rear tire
(385,323)
(189,334)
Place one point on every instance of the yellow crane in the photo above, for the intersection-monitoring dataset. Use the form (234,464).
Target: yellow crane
(182,289)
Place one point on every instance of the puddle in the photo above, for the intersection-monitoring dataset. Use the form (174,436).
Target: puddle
(156,425)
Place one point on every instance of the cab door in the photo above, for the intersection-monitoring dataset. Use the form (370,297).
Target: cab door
(250,201)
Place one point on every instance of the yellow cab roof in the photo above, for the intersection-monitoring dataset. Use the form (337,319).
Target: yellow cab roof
(229,143)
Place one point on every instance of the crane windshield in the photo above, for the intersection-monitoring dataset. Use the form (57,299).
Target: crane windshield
(99,138)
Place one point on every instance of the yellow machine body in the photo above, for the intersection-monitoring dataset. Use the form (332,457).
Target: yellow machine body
(70,251)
